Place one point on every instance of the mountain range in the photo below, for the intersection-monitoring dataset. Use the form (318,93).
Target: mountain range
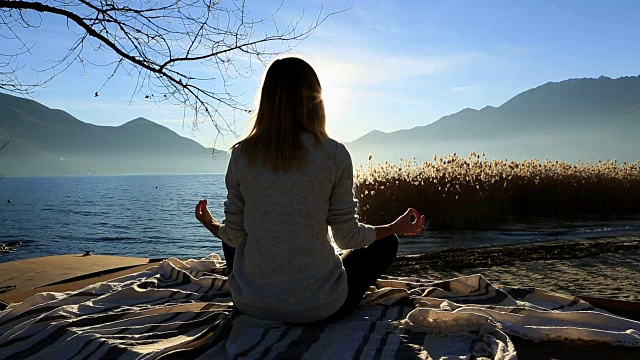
(45,142)
(577,119)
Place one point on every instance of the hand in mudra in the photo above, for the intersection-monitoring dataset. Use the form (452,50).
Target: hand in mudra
(410,223)
(203,215)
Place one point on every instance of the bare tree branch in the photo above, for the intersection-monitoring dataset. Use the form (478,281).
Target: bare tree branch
(170,47)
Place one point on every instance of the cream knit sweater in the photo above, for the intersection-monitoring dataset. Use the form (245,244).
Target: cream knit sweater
(285,267)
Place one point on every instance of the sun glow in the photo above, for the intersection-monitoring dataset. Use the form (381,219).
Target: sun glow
(334,95)
(334,99)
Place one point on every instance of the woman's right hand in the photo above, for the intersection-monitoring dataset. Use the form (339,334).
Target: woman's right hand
(203,215)
(410,223)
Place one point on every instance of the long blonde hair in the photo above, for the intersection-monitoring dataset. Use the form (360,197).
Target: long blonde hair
(290,103)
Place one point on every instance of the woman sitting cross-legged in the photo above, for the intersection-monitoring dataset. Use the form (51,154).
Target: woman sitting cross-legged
(287,183)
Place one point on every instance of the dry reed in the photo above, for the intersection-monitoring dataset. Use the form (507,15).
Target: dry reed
(466,193)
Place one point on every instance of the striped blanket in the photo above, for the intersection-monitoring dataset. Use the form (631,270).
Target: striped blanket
(183,310)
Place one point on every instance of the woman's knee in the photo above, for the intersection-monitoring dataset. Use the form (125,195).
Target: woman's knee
(386,249)
(390,244)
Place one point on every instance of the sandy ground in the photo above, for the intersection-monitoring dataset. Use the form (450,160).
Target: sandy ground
(22,278)
(608,268)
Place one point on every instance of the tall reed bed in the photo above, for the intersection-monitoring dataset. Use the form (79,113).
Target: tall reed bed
(473,192)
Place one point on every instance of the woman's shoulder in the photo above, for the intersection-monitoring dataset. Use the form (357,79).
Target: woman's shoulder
(328,144)
(337,147)
(332,144)
(235,154)
(339,152)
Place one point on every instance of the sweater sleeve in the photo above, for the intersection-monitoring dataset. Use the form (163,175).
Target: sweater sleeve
(347,232)
(232,230)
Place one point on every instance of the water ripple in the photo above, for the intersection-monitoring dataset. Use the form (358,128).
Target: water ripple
(127,215)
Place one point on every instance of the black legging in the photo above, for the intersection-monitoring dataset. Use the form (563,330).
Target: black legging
(363,267)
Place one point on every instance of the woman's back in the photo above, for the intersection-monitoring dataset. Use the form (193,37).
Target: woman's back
(285,267)
(286,183)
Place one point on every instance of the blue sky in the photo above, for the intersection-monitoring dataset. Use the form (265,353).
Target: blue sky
(391,65)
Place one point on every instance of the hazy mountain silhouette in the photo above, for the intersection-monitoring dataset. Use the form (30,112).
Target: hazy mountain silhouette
(586,119)
(47,141)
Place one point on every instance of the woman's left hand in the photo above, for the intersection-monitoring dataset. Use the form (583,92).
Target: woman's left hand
(203,215)
(410,223)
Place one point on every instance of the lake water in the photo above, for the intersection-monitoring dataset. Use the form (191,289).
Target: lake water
(153,216)
(147,216)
